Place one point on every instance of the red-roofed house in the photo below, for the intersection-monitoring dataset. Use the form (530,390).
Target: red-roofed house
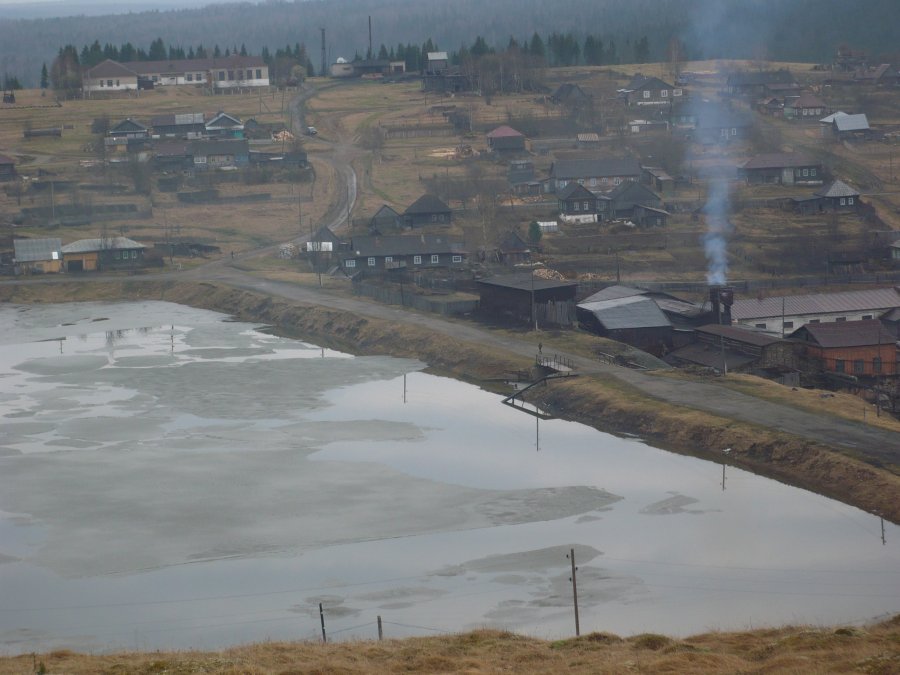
(505,139)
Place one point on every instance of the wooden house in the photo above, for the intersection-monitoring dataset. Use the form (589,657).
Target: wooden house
(845,127)
(427,210)
(856,348)
(629,194)
(837,196)
(644,215)
(39,256)
(643,90)
(805,107)
(381,253)
(180,125)
(128,128)
(657,179)
(721,124)
(512,249)
(436,63)
(570,95)
(603,173)
(505,139)
(576,202)
(91,255)
(7,168)
(223,125)
(172,156)
(785,168)
(758,83)
(224,154)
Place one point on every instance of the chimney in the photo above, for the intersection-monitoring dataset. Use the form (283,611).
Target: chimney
(721,299)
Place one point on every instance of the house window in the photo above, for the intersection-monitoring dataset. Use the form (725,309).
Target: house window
(839,366)
(349,263)
(109,83)
(417,260)
(843,201)
(858,366)
(230,74)
(581,181)
(676,92)
(876,364)
(646,94)
(866,316)
(604,180)
(371,262)
(806,172)
(117,83)
(812,172)
(199,77)
(586,206)
(435,258)
(562,184)
(389,259)
(788,324)
(664,93)
(617,180)
(258,74)
(850,201)
(101,83)
(814,321)
(155,78)
(189,77)
(759,325)
(593,182)
(576,206)
(734,132)
(841,318)
(221,76)
(134,255)
(457,258)
(240,74)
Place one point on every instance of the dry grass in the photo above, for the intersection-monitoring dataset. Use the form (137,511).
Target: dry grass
(788,650)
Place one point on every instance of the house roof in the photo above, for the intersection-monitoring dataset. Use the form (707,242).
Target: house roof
(128,124)
(568,90)
(34,250)
(191,65)
(845,334)
(738,334)
(858,122)
(836,188)
(526,282)
(324,233)
(172,148)
(101,244)
(643,82)
(385,213)
(504,131)
(832,117)
(110,68)
(779,160)
(223,120)
(178,119)
(231,146)
(806,100)
(427,204)
(567,169)
(403,244)
(636,311)
(437,56)
(819,303)
(630,192)
(658,173)
(576,191)
(512,242)
(709,356)
(613,292)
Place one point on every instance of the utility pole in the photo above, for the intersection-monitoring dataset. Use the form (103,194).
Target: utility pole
(322,619)
(380,630)
(571,558)
(883,540)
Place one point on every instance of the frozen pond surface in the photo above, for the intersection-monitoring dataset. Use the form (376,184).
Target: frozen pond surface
(173,479)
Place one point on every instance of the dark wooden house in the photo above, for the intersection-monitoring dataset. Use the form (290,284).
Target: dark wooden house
(629,194)
(128,128)
(412,251)
(570,95)
(181,125)
(505,139)
(512,249)
(836,196)
(805,107)
(427,210)
(576,200)
(758,83)
(602,173)
(384,220)
(785,168)
(643,90)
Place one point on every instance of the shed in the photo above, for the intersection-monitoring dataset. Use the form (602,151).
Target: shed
(785,168)
(521,297)
(512,249)
(851,126)
(427,210)
(633,319)
(384,220)
(7,168)
(88,255)
(38,255)
(629,194)
(505,139)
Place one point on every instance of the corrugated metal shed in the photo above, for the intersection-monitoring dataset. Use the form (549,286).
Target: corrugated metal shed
(628,312)
(852,122)
(35,250)
(877,299)
(739,334)
(845,334)
(97,244)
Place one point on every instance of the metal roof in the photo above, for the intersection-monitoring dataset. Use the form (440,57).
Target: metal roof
(613,292)
(629,312)
(526,282)
(567,169)
(400,244)
(110,68)
(505,131)
(437,56)
(820,303)
(836,188)
(193,65)
(852,122)
(427,204)
(739,334)
(709,356)
(845,334)
(101,244)
(34,250)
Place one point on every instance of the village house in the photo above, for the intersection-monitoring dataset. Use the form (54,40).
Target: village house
(629,194)
(759,83)
(413,252)
(505,139)
(224,72)
(643,90)
(225,154)
(657,179)
(37,256)
(109,75)
(91,255)
(520,175)
(427,210)
(436,62)
(837,196)
(578,204)
(601,173)
(805,107)
(718,124)
(862,348)
(783,314)
(785,168)
(512,249)
(223,125)
(570,95)
(128,128)
(7,168)
(173,156)
(882,75)
(528,299)
(180,125)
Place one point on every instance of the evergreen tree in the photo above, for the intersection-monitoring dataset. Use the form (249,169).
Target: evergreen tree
(201,52)
(536,48)
(480,48)
(266,56)
(243,49)
(642,50)
(157,50)
(127,52)
(383,53)
(45,76)
(217,53)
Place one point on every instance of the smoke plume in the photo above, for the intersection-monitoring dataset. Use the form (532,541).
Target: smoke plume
(717,228)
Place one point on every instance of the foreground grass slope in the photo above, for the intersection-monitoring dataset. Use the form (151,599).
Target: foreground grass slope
(874,649)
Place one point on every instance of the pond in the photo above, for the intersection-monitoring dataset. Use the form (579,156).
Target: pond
(170,478)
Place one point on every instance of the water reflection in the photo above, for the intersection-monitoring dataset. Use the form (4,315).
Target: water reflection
(210,483)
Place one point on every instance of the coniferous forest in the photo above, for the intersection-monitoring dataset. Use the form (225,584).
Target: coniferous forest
(572,31)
